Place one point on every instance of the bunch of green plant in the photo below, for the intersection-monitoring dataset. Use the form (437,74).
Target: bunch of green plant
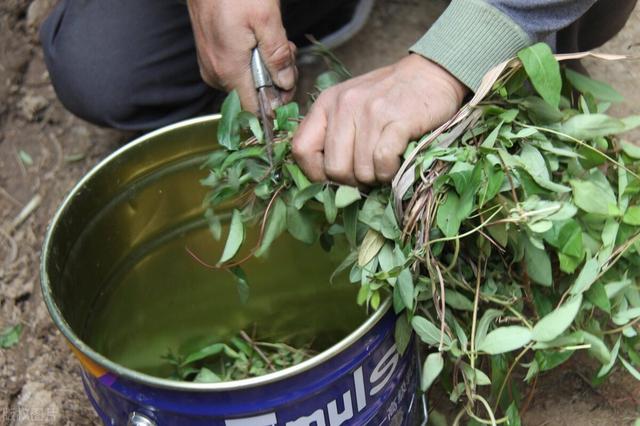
(243,357)
(507,243)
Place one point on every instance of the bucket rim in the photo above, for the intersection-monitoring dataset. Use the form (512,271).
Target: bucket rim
(121,371)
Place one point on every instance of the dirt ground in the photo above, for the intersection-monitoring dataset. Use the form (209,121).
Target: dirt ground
(39,380)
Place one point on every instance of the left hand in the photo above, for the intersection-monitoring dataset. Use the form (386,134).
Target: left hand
(356,131)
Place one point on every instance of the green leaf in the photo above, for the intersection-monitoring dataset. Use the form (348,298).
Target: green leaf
(235,238)
(481,378)
(242,284)
(203,353)
(598,89)
(468,195)
(590,126)
(228,126)
(513,415)
(457,300)
(276,224)
(474,375)
(548,360)
(25,158)
(485,322)
(575,338)
(460,174)
(206,376)
(215,224)
(571,239)
(429,333)
(533,163)
(10,336)
(283,115)
(346,195)
(630,149)
(371,245)
(347,262)
(402,333)
(604,370)
(598,348)
(495,180)
(306,194)
(329,200)
(301,225)
(251,152)
(624,316)
(247,120)
(431,369)
(491,138)
(327,79)
(372,212)
(538,264)
(505,339)
(586,277)
(388,224)
(386,259)
(592,198)
(540,111)
(631,122)
(460,335)
(299,178)
(543,71)
(632,216)
(405,285)
(350,223)
(616,287)
(555,323)
(630,368)
(598,296)
(447,215)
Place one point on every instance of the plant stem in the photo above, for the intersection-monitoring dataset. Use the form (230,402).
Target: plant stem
(476,299)
(255,347)
(506,379)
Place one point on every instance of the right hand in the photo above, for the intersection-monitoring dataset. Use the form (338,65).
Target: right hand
(226,31)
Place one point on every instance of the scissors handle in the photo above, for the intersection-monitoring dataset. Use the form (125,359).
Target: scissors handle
(261,76)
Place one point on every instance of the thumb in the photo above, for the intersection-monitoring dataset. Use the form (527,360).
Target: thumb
(277,53)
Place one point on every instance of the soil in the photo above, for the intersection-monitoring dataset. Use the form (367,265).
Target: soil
(39,377)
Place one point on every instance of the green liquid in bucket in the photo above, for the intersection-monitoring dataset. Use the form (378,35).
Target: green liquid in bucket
(163,299)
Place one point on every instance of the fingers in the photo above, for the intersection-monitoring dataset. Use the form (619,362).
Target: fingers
(339,146)
(366,137)
(308,143)
(389,149)
(277,52)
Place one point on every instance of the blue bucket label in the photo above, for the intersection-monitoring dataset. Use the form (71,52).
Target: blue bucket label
(378,392)
(369,383)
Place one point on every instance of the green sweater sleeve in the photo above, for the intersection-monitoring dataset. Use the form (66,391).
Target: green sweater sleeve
(470,38)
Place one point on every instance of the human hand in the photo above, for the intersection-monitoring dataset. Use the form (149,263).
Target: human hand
(226,31)
(356,131)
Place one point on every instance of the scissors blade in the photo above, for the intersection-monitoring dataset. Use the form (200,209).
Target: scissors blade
(267,123)
(263,84)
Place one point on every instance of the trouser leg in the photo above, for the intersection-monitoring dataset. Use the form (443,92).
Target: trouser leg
(132,64)
(601,22)
(125,64)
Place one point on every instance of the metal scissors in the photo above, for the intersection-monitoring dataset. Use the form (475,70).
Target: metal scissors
(265,90)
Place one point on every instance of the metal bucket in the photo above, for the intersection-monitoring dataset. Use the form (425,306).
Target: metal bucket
(144,194)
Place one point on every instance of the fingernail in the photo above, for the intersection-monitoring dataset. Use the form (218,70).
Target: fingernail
(286,78)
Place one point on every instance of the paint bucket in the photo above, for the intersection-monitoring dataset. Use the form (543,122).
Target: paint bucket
(144,196)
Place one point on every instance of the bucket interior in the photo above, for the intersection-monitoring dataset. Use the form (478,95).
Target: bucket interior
(117,268)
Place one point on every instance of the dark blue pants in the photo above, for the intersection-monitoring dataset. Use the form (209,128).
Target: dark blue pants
(132,65)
